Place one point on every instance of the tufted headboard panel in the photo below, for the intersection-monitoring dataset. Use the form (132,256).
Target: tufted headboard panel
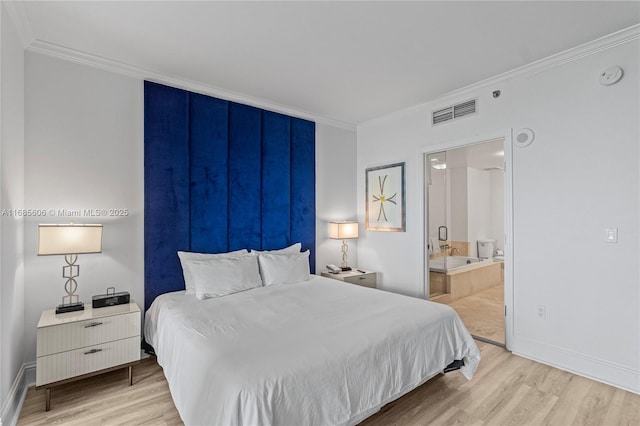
(221,176)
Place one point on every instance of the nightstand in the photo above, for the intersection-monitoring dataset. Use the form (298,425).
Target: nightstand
(80,344)
(368,279)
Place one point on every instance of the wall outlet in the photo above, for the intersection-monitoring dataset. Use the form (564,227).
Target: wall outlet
(541,312)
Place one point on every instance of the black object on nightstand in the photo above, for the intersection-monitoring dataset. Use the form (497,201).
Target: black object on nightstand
(111,298)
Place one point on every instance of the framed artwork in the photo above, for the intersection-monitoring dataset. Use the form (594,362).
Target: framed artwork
(385,206)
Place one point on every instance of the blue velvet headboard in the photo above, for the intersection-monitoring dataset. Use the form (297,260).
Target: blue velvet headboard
(221,176)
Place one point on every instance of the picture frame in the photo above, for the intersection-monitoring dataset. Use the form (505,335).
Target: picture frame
(385,198)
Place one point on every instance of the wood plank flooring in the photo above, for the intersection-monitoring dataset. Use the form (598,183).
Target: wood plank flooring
(506,390)
(106,400)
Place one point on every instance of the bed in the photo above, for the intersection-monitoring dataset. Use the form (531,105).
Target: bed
(314,352)
(267,349)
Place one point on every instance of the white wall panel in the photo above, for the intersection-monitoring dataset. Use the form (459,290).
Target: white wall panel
(336,195)
(11,204)
(578,177)
(83,154)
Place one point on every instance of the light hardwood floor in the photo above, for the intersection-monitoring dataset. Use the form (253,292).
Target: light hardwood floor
(506,390)
(106,400)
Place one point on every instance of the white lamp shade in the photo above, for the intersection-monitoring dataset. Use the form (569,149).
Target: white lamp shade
(343,230)
(69,239)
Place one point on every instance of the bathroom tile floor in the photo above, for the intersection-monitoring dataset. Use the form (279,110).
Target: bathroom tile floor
(482,313)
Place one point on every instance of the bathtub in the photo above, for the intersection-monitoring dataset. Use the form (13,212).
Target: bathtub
(453,263)
(459,276)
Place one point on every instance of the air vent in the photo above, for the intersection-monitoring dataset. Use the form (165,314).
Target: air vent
(443,115)
(464,108)
(455,111)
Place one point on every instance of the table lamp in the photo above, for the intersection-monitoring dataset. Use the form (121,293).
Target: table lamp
(69,240)
(343,231)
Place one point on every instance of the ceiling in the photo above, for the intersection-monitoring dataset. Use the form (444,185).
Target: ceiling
(344,61)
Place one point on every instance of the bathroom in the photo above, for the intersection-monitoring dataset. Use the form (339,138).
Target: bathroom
(465,242)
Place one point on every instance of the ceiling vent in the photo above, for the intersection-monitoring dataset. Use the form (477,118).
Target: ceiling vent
(454,111)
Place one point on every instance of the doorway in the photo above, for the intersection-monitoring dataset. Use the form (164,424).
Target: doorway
(465,218)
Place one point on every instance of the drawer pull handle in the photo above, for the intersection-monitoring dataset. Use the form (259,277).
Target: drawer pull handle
(361,278)
(93,351)
(93,324)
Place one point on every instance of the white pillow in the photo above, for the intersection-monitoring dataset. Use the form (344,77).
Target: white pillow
(187,255)
(292,249)
(222,276)
(284,268)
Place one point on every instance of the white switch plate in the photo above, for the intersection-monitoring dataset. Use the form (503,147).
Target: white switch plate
(611,235)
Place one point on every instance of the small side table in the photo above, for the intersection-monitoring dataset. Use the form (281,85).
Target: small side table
(366,279)
(75,345)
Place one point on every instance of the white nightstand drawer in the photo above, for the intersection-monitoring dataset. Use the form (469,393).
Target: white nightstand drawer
(60,366)
(365,280)
(81,334)
(356,276)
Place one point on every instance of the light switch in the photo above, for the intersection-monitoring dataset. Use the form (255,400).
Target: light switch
(611,235)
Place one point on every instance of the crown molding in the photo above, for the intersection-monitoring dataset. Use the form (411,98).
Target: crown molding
(18,15)
(570,55)
(51,49)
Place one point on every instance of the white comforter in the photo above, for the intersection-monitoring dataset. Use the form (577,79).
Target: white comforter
(319,352)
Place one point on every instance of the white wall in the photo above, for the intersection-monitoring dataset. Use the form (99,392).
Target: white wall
(336,196)
(496,226)
(11,197)
(458,204)
(474,201)
(84,149)
(478,208)
(578,177)
(439,208)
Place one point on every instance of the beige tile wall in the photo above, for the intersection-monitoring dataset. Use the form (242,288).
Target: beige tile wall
(474,281)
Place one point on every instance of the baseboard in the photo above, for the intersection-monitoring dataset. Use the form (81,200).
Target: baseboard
(18,391)
(30,374)
(597,369)
(25,378)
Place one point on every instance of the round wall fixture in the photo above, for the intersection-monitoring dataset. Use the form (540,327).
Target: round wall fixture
(611,75)
(523,137)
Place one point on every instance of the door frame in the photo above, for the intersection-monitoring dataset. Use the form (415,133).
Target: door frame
(507,136)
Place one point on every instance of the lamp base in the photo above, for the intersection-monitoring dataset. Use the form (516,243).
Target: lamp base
(345,268)
(71,307)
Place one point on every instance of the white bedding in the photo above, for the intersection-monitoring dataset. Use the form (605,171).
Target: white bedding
(319,352)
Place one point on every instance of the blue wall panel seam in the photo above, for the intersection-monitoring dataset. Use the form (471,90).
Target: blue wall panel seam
(189,160)
(261,177)
(290,177)
(228,176)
